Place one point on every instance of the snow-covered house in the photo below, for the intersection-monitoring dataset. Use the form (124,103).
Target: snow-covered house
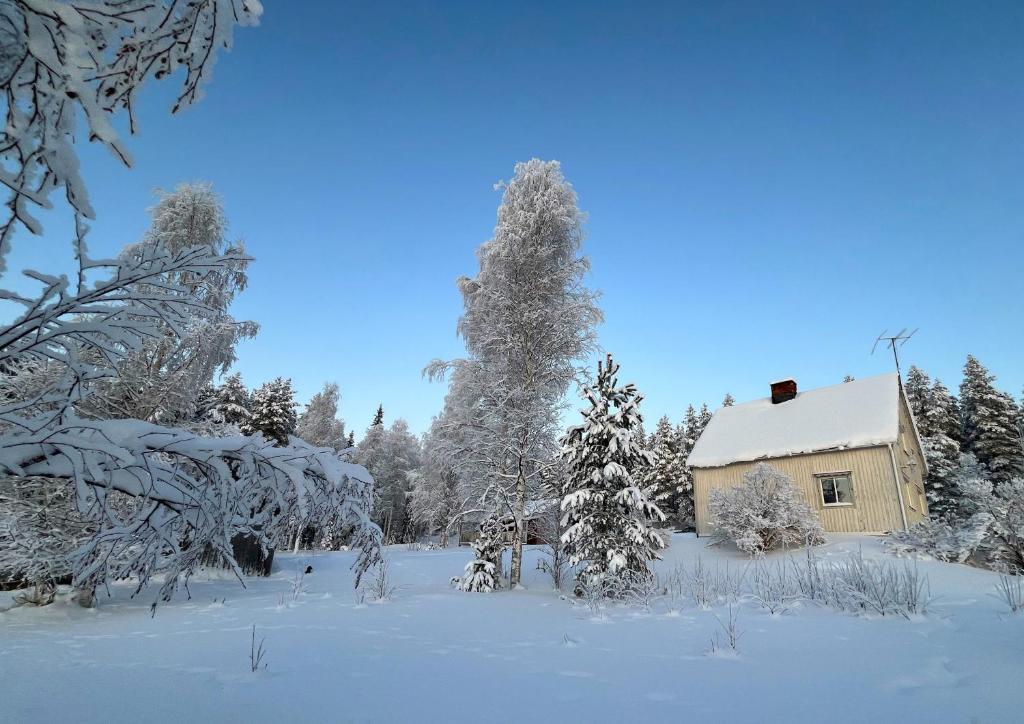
(852,448)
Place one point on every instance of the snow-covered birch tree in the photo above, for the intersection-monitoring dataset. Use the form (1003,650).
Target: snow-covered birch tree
(147,499)
(161,381)
(319,424)
(528,323)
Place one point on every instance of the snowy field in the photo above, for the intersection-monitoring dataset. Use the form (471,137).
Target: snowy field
(434,654)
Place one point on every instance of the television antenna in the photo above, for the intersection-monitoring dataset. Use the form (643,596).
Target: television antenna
(894,341)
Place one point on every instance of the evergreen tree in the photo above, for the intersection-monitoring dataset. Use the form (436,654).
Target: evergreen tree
(393,457)
(729,400)
(378,419)
(990,423)
(233,401)
(937,419)
(319,424)
(273,411)
(663,476)
(606,512)
(483,573)
(351,442)
(702,421)
(848,378)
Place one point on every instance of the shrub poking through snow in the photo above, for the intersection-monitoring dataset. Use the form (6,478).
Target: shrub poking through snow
(483,572)
(765,512)
(943,541)
(1010,590)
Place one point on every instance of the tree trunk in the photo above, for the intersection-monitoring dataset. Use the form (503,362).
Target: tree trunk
(519,534)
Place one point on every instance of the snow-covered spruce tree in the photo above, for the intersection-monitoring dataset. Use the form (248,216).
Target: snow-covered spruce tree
(319,424)
(935,412)
(703,418)
(990,423)
(272,411)
(665,476)
(687,433)
(608,514)
(728,400)
(483,573)
(161,381)
(378,417)
(528,322)
(63,64)
(764,512)
(233,403)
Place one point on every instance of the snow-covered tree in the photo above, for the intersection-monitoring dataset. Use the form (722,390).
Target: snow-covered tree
(764,512)
(703,418)
(996,511)
(154,500)
(607,513)
(454,455)
(528,322)
(378,418)
(233,402)
(272,412)
(392,455)
(849,378)
(483,573)
(161,381)
(728,401)
(990,423)
(666,475)
(687,433)
(436,500)
(69,68)
(188,494)
(319,424)
(39,530)
(935,412)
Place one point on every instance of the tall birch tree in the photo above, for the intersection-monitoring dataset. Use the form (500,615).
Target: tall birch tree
(528,324)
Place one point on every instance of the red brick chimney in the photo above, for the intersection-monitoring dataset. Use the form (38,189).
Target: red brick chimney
(783,390)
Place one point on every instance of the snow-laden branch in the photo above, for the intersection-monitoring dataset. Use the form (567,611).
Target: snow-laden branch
(62,63)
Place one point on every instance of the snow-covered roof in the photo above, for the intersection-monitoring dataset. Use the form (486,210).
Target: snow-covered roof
(853,414)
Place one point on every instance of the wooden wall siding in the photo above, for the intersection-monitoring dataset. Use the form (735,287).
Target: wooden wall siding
(875,508)
(910,461)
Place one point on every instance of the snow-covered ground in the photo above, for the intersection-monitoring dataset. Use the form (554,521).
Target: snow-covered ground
(435,654)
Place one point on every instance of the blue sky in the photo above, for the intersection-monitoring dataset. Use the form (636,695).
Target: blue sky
(768,189)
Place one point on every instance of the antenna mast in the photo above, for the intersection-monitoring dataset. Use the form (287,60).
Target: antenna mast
(894,341)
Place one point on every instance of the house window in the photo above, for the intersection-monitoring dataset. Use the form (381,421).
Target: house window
(836,489)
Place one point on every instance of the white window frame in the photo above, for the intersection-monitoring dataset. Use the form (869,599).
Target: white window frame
(821,477)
